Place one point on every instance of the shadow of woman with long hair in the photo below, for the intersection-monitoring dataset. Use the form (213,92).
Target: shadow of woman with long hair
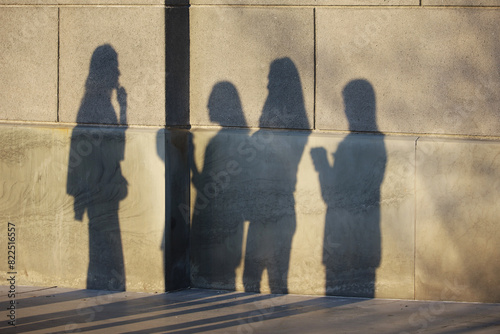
(94,178)
(218,214)
(272,217)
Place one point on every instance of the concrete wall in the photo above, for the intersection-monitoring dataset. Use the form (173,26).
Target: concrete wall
(374,171)
(88,169)
(335,147)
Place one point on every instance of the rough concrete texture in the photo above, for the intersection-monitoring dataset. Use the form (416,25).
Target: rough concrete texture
(458,191)
(58,310)
(137,35)
(476,3)
(432,70)
(93,2)
(272,213)
(238,45)
(88,205)
(28,64)
(308,2)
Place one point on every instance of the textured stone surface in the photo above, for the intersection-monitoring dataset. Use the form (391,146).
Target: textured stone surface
(93,2)
(492,3)
(308,2)
(51,206)
(238,45)
(28,64)
(138,37)
(271,211)
(458,191)
(257,202)
(433,70)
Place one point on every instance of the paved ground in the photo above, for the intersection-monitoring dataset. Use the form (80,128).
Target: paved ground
(59,310)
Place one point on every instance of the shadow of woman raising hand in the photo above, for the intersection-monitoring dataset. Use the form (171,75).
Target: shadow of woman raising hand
(351,189)
(94,178)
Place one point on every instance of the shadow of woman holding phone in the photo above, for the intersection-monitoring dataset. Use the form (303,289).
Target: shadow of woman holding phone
(94,178)
(351,189)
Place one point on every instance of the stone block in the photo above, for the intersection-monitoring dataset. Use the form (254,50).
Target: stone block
(475,3)
(92,2)
(457,231)
(224,2)
(271,213)
(366,230)
(28,64)
(88,204)
(307,2)
(245,61)
(432,70)
(136,36)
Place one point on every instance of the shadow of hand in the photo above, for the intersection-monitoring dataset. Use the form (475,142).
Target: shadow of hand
(318,154)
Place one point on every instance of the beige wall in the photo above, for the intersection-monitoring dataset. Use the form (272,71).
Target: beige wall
(52,246)
(47,50)
(428,71)
(29,63)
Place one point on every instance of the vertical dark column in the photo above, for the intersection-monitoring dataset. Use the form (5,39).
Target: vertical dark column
(177,66)
(176,242)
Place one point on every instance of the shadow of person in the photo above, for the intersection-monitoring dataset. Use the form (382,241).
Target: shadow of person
(173,144)
(272,217)
(218,215)
(351,189)
(161,151)
(94,178)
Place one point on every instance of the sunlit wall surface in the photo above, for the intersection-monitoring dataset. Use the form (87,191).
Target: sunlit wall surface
(288,146)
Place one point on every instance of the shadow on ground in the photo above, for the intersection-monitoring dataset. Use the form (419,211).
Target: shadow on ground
(60,310)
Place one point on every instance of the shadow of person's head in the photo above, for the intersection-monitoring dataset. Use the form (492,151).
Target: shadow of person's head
(284,107)
(224,105)
(103,71)
(360,105)
(102,80)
